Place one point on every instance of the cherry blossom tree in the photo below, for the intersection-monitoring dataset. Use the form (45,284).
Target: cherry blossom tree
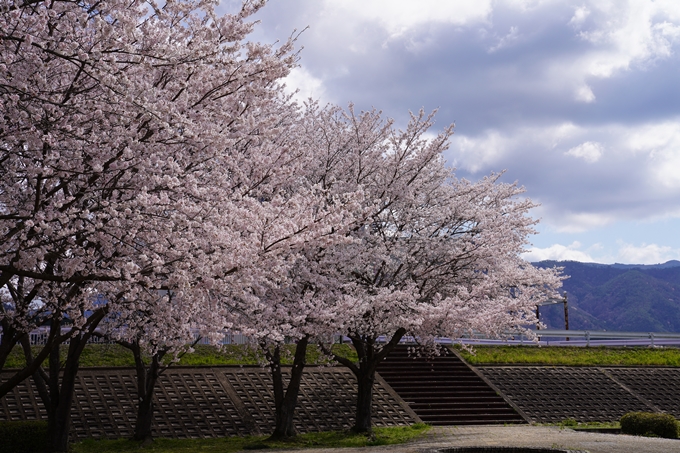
(272,318)
(163,327)
(285,303)
(288,309)
(20,312)
(430,255)
(133,139)
(147,149)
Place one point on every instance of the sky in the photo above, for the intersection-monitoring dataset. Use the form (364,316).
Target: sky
(577,101)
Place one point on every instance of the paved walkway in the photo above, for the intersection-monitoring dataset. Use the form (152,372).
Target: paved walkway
(525,436)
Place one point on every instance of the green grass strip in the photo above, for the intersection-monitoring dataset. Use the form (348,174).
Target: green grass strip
(380,436)
(573,356)
(113,355)
(573,424)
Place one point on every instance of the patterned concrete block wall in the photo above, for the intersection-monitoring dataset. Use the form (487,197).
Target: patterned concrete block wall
(327,400)
(228,401)
(658,386)
(208,402)
(587,394)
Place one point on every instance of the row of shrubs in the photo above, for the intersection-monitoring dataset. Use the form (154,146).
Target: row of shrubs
(23,437)
(650,424)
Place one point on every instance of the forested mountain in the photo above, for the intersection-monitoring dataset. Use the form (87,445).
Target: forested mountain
(619,297)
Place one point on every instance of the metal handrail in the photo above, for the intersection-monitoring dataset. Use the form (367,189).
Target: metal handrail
(570,338)
(38,336)
(604,334)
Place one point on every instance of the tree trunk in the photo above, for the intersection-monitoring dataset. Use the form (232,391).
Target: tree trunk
(52,342)
(22,301)
(147,377)
(144,420)
(364,371)
(7,341)
(146,384)
(61,396)
(59,423)
(364,410)
(61,390)
(39,377)
(286,402)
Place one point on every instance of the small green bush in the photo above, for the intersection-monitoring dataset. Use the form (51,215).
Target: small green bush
(570,422)
(649,424)
(23,437)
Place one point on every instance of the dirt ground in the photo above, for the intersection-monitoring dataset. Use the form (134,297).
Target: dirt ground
(524,436)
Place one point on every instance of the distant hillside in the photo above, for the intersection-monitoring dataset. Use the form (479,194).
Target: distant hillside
(618,297)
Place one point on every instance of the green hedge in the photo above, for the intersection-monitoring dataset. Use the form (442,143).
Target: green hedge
(649,424)
(23,437)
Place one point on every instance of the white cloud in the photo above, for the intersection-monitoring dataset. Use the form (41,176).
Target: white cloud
(661,142)
(305,84)
(626,31)
(580,222)
(631,32)
(588,151)
(558,252)
(646,254)
(507,40)
(475,153)
(619,36)
(490,148)
(626,253)
(616,35)
(399,16)
(637,176)
(584,94)
(519,112)
(579,16)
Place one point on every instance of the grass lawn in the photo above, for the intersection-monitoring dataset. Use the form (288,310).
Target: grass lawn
(573,424)
(113,355)
(572,356)
(381,436)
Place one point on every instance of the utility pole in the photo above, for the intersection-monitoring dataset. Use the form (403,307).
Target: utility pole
(553,302)
(566,314)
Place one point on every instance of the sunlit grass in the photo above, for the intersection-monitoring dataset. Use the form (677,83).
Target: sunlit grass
(573,424)
(113,355)
(380,436)
(573,356)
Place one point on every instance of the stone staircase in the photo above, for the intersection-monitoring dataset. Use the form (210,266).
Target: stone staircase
(443,390)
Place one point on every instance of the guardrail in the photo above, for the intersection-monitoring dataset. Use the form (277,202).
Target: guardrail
(38,337)
(586,338)
(546,337)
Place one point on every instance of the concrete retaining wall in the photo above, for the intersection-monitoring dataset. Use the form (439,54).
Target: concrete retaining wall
(208,402)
